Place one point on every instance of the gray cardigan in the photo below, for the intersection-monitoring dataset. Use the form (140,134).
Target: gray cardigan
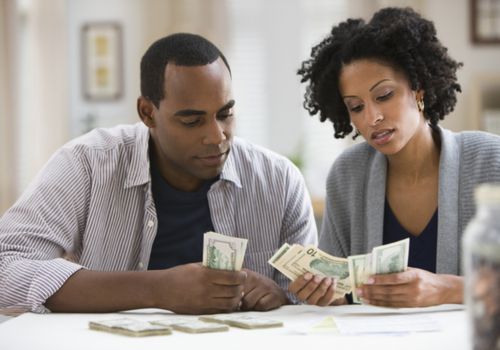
(354,212)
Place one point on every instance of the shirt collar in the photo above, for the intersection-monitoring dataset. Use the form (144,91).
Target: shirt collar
(229,171)
(138,170)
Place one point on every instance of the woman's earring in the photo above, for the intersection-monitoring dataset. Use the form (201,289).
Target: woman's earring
(420,105)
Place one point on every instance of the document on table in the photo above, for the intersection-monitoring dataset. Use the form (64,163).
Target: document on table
(366,319)
(389,324)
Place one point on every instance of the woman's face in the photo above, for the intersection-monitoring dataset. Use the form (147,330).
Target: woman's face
(381,104)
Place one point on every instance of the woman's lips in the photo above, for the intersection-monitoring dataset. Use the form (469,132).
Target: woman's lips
(381,137)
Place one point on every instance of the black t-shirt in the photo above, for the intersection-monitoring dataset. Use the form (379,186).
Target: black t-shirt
(183,218)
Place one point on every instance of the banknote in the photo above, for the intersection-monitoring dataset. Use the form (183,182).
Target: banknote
(130,327)
(242,321)
(192,325)
(390,258)
(384,259)
(223,252)
(320,263)
(359,270)
(283,259)
(350,273)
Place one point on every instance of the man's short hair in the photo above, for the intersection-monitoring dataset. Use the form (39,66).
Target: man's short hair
(182,49)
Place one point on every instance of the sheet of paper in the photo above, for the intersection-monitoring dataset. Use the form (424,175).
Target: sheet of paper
(386,324)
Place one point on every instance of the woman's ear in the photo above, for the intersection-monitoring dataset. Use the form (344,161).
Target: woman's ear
(145,109)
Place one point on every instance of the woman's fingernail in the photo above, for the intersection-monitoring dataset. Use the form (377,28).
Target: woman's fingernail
(359,292)
(308,276)
(370,280)
(317,278)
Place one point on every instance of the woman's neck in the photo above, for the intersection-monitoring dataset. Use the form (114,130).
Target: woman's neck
(419,159)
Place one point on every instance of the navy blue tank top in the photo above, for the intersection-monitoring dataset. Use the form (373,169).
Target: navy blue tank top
(423,248)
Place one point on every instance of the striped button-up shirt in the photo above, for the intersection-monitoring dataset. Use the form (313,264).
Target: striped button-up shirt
(92,202)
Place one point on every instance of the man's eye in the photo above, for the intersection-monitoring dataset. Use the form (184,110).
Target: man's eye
(225,115)
(190,122)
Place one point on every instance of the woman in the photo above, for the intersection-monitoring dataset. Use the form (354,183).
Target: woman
(391,81)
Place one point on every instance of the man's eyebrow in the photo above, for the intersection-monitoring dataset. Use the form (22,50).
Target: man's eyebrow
(227,106)
(191,112)
(188,112)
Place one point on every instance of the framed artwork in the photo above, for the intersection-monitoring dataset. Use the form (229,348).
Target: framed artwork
(102,61)
(485,21)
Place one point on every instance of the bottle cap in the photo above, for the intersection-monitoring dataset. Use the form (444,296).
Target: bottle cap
(487,193)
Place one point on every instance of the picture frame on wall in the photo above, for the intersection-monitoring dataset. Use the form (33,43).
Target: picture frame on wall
(485,21)
(102,61)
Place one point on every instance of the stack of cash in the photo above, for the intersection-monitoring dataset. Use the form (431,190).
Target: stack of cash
(387,258)
(191,325)
(293,261)
(130,327)
(242,321)
(223,252)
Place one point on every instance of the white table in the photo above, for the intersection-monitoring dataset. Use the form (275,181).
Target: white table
(306,327)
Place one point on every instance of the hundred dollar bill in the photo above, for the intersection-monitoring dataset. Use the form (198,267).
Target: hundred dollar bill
(390,258)
(223,252)
(320,263)
(130,327)
(242,321)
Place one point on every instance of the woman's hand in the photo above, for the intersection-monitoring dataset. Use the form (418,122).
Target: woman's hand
(315,290)
(412,288)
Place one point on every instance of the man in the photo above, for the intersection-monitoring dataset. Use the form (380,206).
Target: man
(130,204)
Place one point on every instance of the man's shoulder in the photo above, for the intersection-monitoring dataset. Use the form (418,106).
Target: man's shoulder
(105,139)
(251,153)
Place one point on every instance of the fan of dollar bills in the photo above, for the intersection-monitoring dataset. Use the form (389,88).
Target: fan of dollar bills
(295,260)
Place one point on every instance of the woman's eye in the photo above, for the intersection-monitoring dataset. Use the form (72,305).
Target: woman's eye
(385,96)
(356,108)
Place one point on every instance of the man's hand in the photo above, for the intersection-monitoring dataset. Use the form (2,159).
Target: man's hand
(315,290)
(195,289)
(261,293)
(412,288)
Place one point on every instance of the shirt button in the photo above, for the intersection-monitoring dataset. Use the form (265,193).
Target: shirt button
(151,223)
(141,265)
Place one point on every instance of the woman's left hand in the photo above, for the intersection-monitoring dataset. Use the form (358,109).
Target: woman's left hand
(412,288)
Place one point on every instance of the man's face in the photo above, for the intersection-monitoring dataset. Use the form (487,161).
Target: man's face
(192,128)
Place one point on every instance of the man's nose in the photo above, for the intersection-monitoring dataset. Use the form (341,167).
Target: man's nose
(214,133)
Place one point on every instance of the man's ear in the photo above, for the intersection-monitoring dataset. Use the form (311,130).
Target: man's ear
(145,109)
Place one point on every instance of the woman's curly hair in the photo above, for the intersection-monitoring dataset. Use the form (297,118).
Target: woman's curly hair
(399,37)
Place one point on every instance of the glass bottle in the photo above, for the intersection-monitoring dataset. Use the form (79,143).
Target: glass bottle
(481,249)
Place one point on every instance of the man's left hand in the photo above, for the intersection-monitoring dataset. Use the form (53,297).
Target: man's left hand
(261,293)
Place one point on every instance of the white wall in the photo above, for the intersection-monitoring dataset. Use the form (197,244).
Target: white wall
(481,63)
(45,99)
(106,113)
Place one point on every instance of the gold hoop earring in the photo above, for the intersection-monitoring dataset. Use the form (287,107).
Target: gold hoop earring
(420,105)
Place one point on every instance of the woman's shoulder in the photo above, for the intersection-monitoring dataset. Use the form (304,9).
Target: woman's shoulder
(351,165)
(355,157)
